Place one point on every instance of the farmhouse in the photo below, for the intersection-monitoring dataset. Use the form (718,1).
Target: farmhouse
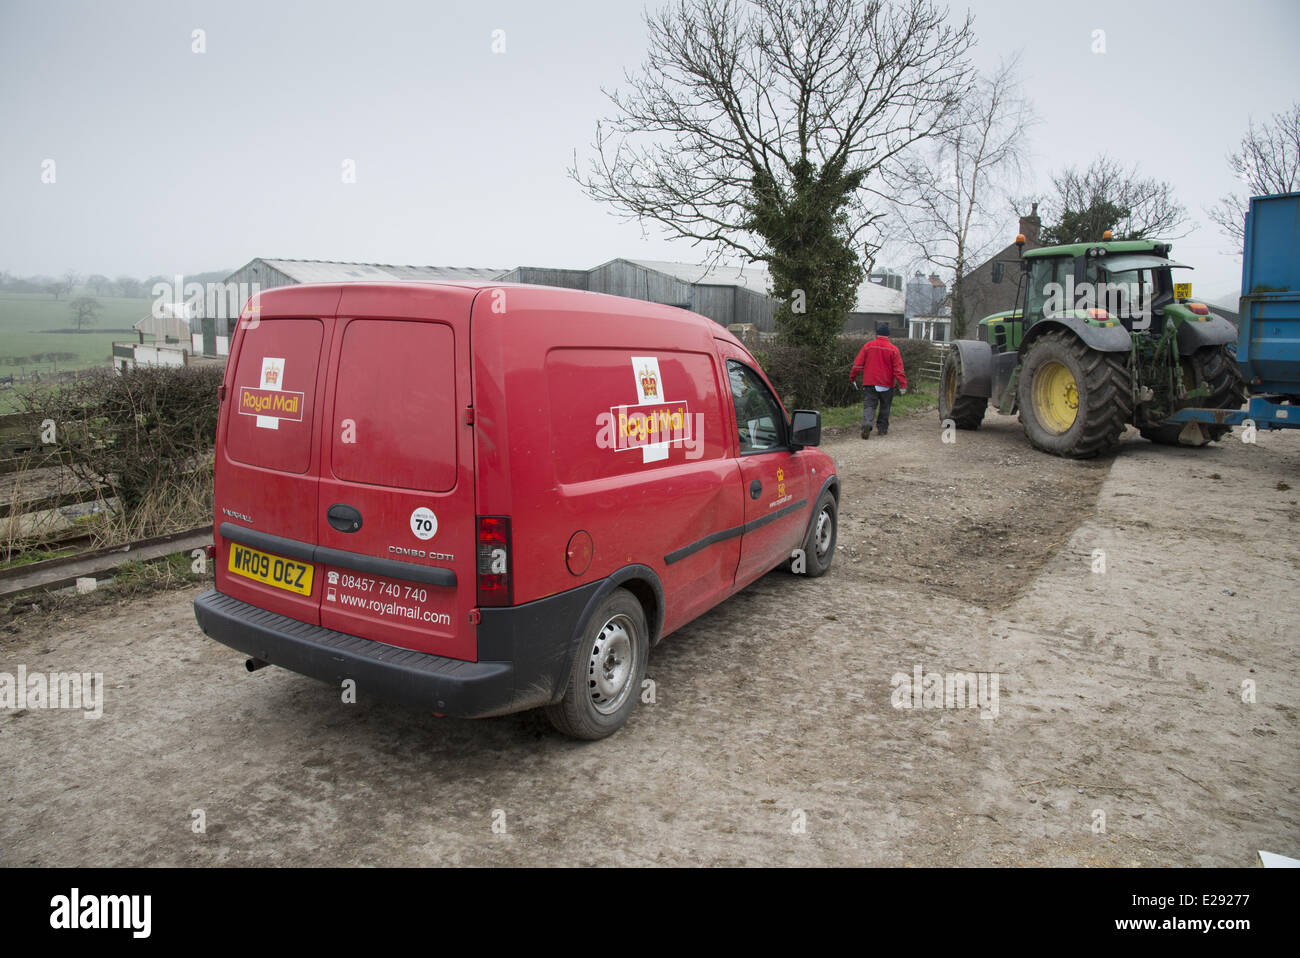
(980,295)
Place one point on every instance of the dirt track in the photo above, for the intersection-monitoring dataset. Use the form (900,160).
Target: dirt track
(1120,693)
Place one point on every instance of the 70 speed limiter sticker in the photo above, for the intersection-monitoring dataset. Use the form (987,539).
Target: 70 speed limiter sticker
(424,524)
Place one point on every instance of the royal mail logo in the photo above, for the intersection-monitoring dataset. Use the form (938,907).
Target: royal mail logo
(649,383)
(273,403)
(651,424)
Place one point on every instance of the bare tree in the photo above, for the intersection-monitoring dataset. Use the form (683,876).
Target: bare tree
(85,311)
(951,182)
(64,285)
(1267,162)
(1108,196)
(763,127)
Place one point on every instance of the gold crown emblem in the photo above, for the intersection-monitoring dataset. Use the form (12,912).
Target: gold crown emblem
(649,384)
(272,376)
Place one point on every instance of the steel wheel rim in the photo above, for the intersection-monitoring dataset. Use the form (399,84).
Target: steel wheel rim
(822,535)
(610,664)
(1056,397)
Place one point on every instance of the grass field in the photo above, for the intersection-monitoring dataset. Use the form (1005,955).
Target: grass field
(26,321)
(27,318)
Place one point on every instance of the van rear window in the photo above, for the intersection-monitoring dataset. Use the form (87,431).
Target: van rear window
(395,405)
(274,395)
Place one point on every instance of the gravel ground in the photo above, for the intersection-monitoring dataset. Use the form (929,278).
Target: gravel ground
(1123,734)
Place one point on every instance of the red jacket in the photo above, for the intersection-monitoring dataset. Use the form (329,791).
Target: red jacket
(880,363)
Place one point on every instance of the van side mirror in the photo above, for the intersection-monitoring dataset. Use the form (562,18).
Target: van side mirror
(806,428)
(997,272)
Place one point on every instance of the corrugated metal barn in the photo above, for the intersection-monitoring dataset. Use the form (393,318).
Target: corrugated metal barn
(729,295)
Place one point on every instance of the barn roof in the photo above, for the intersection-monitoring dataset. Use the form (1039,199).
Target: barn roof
(871,297)
(328,271)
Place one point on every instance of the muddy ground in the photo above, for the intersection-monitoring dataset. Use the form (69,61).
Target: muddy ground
(1125,731)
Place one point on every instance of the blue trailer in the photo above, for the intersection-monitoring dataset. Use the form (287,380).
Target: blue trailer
(1268,332)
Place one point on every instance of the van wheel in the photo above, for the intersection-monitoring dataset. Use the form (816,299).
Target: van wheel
(607,671)
(819,547)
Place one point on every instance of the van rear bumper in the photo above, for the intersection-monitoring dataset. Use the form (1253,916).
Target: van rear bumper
(450,686)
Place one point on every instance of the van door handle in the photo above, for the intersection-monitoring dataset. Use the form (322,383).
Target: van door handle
(344,518)
(755,489)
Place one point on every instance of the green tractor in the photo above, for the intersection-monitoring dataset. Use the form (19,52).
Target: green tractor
(1102,338)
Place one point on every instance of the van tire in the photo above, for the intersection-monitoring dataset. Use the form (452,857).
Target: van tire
(616,641)
(819,546)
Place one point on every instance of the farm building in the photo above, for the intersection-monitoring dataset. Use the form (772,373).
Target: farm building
(213,336)
(926,309)
(980,295)
(162,339)
(168,324)
(729,295)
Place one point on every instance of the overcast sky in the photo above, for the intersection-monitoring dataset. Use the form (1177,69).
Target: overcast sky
(171,161)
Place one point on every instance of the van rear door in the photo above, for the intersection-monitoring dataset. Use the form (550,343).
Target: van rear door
(395,513)
(266,480)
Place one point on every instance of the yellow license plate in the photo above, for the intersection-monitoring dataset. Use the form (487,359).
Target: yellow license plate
(1182,290)
(270,569)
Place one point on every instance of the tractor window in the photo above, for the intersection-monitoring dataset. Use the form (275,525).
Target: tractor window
(1126,295)
(1041,275)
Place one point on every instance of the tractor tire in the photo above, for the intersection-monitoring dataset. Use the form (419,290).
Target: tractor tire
(1074,401)
(1216,367)
(966,412)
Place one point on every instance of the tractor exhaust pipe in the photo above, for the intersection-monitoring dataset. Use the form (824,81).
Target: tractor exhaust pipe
(254,664)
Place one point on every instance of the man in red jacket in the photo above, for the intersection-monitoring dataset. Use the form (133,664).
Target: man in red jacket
(881,364)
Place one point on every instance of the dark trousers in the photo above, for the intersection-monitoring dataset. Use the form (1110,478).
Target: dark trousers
(875,407)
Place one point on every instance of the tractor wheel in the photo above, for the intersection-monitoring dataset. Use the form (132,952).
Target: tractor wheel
(1213,366)
(1074,401)
(967,412)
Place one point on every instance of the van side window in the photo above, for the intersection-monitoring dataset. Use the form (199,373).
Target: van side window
(759,418)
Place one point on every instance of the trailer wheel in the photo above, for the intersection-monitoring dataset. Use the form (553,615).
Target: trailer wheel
(607,671)
(1215,367)
(966,412)
(1074,401)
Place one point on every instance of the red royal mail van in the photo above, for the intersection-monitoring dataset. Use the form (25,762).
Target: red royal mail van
(481,499)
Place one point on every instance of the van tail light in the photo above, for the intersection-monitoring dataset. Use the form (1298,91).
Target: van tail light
(495,562)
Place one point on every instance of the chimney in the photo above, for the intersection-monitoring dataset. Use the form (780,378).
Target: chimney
(1031,228)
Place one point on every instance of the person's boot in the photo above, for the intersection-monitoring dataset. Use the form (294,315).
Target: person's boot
(866,432)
